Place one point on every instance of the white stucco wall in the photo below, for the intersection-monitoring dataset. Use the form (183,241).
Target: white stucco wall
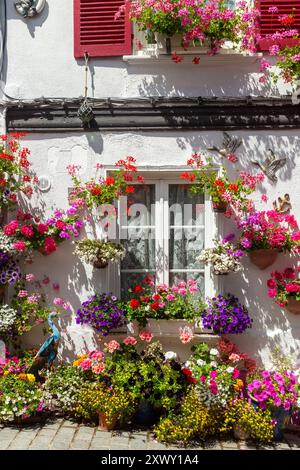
(41,63)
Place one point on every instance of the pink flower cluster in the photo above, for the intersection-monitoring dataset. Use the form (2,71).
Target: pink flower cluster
(283,285)
(274,389)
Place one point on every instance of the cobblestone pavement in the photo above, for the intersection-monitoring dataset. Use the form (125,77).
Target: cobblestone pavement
(65,435)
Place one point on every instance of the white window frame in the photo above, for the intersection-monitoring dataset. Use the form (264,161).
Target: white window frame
(212,226)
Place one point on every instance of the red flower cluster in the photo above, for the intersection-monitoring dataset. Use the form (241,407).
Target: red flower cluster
(283,285)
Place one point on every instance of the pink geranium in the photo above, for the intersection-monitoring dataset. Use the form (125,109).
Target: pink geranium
(20,246)
(112,346)
(130,341)
(146,336)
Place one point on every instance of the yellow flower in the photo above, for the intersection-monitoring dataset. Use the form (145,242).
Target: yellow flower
(6,373)
(23,376)
(238,384)
(30,377)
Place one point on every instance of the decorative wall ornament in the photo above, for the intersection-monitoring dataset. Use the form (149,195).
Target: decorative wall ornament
(284,204)
(85,111)
(29,8)
(230,145)
(271,165)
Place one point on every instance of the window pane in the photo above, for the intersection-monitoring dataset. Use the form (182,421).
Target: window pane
(130,279)
(140,204)
(174,277)
(185,246)
(185,208)
(140,249)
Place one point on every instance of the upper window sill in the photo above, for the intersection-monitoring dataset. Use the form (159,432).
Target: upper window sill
(225,56)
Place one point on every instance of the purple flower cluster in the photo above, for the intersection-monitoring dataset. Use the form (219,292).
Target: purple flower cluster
(10,272)
(226,315)
(102,312)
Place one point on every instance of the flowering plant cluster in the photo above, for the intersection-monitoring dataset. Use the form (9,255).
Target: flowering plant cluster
(273,389)
(221,189)
(15,174)
(226,315)
(99,252)
(100,191)
(204,21)
(162,302)
(230,354)
(8,317)
(102,312)
(269,229)
(284,285)
(284,46)
(33,305)
(224,257)
(32,234)
(215,383)
(20,398)
(10,271)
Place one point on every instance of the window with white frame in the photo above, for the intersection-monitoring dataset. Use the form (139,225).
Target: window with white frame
(164,228)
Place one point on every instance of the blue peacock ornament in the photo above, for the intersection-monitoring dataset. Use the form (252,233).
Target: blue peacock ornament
(48,351)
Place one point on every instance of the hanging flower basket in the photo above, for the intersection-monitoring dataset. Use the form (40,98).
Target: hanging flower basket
(262,258)
(105,424)
(293,305)
(220,206)
(100,264)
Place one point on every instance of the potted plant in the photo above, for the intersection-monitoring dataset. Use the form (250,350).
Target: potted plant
(224,257)
(284,287)
(276,391)
(21,400)
(266,233)
(15,174)
(99,252)
(100,191)
(247,422)
(102,312)
(224,192)
(226,315)
(29,233)
(204,24)
(163,309)
(109,405)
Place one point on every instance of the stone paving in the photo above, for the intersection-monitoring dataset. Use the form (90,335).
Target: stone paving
(61,434)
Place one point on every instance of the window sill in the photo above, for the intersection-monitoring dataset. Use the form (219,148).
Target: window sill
(226,56)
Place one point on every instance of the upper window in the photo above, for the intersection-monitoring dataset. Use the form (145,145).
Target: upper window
(96,30)
(164,230)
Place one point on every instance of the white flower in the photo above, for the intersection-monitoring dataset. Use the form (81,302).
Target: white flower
(200,362)
(230,370)
(187,364)
(213,364)
(214,352)
(170,355)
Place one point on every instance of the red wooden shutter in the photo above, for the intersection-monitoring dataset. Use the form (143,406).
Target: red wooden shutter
(97,32)
(269,22)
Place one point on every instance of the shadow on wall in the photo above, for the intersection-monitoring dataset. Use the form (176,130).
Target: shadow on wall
(254,147)
(31,23)
(185,79)
(272,326)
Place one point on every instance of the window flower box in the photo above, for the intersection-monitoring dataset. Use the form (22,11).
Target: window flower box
(166,327)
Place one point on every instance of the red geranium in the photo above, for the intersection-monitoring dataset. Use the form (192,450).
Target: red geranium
(134,303)
(138,289)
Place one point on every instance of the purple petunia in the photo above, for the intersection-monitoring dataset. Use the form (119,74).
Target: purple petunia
(102,312)
(226,315)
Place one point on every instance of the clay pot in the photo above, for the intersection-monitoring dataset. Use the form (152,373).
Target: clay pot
(100,265)
(220,207)
(262,258)
(293,305)
(104,424)
(239,433)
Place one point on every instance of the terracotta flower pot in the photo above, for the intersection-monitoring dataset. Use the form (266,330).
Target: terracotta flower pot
(262,258)
(106,425)
(239,433)
(293,305)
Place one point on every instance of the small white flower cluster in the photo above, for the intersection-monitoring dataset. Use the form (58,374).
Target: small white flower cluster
(14,405)
(8,317)
(6,243)
(223,258)
(93,251)
(209,399)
